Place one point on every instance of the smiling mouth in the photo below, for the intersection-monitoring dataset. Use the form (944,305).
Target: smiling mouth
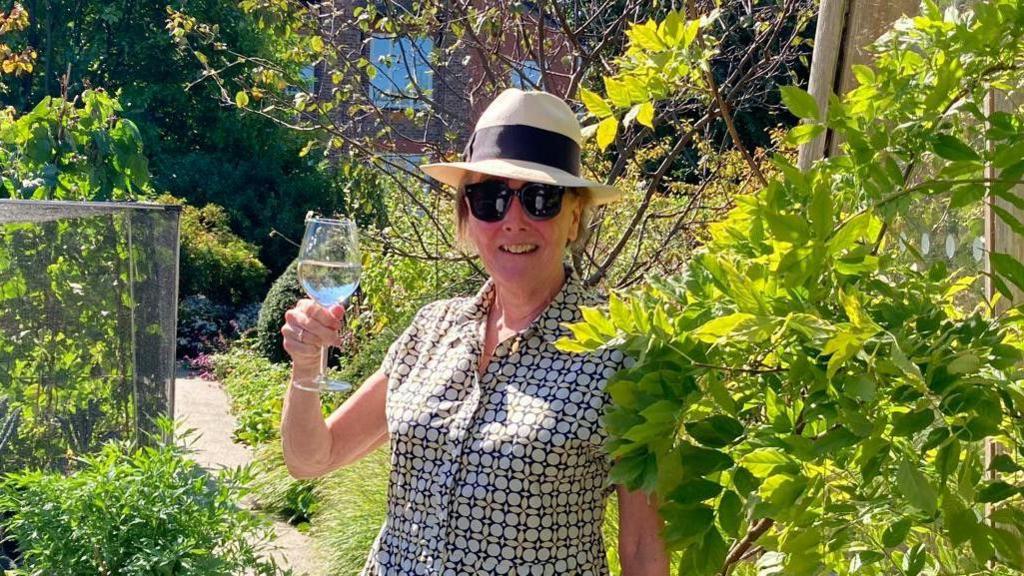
(518,248)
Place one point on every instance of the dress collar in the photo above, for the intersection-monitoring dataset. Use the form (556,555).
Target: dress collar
(563,308)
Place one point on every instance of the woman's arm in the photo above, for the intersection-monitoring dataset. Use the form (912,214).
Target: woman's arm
(641,550)
(312,446)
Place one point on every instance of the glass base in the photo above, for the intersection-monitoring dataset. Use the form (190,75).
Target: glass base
(324,384)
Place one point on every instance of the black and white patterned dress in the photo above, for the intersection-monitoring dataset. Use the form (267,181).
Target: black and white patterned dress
(501,474)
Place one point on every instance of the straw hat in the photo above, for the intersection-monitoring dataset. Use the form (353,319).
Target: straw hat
(525,135)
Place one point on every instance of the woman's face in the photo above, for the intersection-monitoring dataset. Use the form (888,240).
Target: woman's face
(518,248)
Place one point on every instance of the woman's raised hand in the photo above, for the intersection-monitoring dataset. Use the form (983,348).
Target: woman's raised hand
(308,327)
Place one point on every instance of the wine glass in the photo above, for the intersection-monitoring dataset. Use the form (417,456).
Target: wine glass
(329,268)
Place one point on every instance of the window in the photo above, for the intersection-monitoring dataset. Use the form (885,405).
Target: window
(402,70)
(527,77)
(307,81)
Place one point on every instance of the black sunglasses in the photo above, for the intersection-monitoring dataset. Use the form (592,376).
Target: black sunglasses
(490,200)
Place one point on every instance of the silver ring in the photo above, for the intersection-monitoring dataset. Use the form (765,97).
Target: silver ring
(301,332)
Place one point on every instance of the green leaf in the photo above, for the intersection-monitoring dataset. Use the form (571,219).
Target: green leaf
(685,523)
(961,525)
(1009,547)
(835,439)
(706,557)
(804,133)
(820,212)
(694,491)
(763,462)
(317,44)
(861,387)
(671,28)
(606,132)
(910,423)
(697,461)
(800,103)
(717,328)
(843,346)
(1008,267)
(786,227)
(916,488)
(241,99)
(598,321)
(966,194)
(782,490)
(913,560)
(952,148)
(690,32)
(595,104)
(1003,463)
(896,533)
(716,431)
(859,227)
(863,74)
(964,363)
(629,471)
(996,491)
(730,510)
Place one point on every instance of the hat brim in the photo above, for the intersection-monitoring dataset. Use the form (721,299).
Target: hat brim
(456,173)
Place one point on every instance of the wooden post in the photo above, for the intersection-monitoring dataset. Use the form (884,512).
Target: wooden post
(828,37)
(845,29)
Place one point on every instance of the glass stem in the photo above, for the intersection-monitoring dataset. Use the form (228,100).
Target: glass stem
(324,351)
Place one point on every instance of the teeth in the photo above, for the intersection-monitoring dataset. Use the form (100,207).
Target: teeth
(519,248)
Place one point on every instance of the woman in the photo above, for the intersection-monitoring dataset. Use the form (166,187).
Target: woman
(497,455)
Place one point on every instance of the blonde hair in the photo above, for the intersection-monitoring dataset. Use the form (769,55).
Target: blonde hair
(576,244)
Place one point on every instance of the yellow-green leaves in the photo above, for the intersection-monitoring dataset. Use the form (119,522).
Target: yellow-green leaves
(241,99)
(316,43)
(645,114)
(595,104)
(606,132)
(800,103)
(849,340)
(646,37)
(618,92)
(659,63)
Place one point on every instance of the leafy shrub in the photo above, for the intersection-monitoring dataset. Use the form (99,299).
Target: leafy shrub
(283,294)
(63,150)
(274,490)
(214,261)
(811,398)
(130,511)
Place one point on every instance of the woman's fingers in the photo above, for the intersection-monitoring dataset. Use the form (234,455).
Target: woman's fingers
(329,318)
(297,345)
(308,327)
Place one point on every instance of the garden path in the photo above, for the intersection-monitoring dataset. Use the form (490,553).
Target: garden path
(203,405)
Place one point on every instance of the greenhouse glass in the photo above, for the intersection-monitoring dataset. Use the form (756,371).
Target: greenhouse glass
(88,297)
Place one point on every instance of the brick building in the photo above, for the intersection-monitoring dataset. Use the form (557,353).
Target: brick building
(451,94)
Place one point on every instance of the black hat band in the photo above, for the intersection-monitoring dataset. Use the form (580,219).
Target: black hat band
(525,143)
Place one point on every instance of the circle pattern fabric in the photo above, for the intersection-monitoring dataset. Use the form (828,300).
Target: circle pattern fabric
(502,473)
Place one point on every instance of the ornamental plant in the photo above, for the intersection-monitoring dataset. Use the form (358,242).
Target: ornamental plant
(807,398)
(133,510)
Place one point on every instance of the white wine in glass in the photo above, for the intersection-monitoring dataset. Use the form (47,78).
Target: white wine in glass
(329,269)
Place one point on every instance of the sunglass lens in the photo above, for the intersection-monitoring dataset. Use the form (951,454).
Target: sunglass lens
(488,201)
(542,201)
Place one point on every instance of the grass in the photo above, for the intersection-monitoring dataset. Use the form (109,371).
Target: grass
(353,505)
